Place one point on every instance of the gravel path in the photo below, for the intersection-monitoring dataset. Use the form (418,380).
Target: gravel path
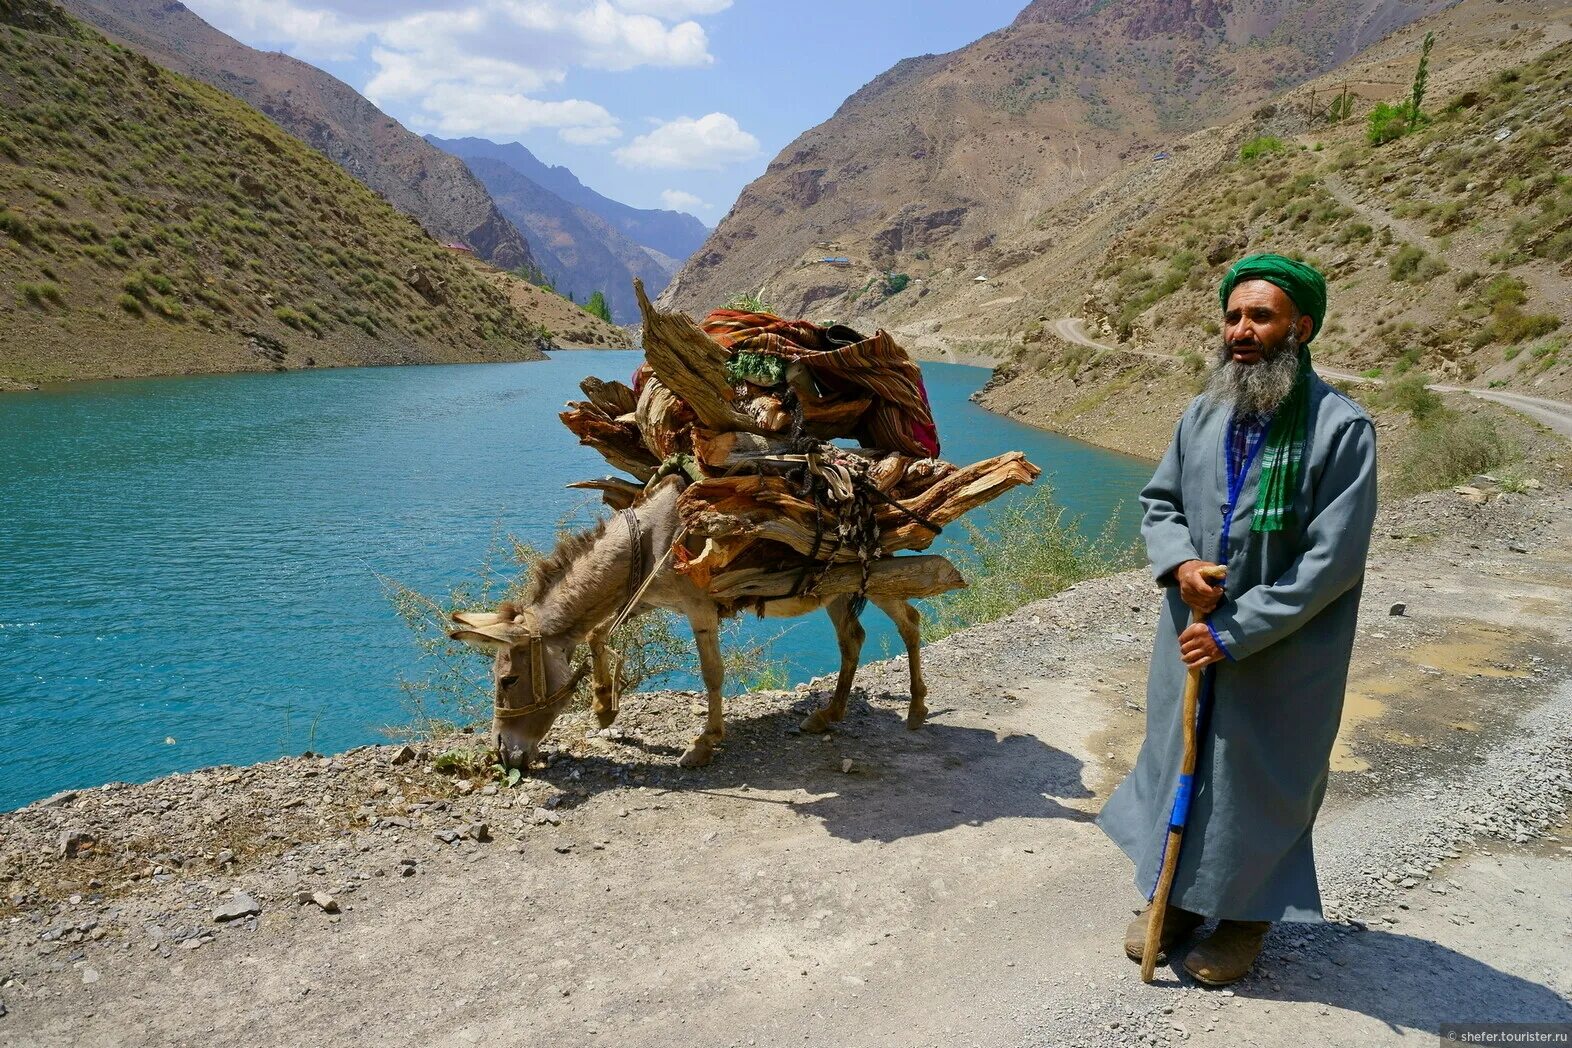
(944,887)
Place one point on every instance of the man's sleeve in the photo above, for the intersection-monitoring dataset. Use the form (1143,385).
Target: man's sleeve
(1337,539)
(1163,524)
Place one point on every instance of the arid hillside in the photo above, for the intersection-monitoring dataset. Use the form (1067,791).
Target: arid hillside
(151,224)
(1448,249)
(940,161)
(325,113)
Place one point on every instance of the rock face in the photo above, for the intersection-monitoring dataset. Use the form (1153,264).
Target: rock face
(941,159)
(325,113)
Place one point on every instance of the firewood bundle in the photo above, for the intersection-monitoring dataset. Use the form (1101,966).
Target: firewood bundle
(745,407)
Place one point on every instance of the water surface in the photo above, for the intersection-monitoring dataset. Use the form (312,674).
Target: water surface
(189,567)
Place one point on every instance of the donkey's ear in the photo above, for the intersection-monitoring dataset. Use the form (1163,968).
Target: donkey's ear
(477,618)
(492,638)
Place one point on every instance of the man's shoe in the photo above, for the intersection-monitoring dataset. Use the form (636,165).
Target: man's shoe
(1177,926)
(1226,955)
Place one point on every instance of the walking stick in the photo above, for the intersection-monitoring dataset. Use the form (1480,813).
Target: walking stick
(1181,808)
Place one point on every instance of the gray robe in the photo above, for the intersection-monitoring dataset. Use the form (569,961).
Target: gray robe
(1287,623)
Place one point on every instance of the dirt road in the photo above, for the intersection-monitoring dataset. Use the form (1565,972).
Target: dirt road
(1554,414)
(948,889)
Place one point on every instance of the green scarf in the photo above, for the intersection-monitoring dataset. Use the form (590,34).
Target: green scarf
(1282,459)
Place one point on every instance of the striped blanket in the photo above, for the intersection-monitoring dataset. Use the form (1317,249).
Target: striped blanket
(843,364)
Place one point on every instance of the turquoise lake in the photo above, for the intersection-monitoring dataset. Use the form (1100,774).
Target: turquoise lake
(189,567)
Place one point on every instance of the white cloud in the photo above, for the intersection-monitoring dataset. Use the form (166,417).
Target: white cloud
(685,144)
(677,200)
(475,64)
(673,8)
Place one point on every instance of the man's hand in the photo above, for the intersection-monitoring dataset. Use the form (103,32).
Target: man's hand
(1198,648)
(1201,593)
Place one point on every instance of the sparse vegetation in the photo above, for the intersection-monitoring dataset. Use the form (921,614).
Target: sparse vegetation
(1261,146)
(1030,549)
(132,194)
(1449,448)
(746,303)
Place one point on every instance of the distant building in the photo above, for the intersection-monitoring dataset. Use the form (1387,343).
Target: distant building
(839,261)
(981,278)
(1161,156)
(460,247)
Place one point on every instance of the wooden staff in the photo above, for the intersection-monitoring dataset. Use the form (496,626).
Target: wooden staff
(1176,821)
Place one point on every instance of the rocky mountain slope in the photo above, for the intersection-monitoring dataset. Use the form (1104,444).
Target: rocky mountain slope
(578,251)
(152,224)
(1448,251)
(325,113)
(674,234)
(941,159)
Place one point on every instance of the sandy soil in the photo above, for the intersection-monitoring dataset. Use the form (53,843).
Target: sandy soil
(949,888)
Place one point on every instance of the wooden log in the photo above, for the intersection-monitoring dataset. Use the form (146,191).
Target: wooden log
(615,492)
(904,577)
(692,365)
(618,442)
(613,398)
(663,420)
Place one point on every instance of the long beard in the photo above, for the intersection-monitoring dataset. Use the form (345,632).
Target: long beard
(1255,389)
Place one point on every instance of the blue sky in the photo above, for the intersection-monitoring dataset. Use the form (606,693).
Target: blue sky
(659,103)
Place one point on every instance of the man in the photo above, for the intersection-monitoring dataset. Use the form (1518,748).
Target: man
(1271,473)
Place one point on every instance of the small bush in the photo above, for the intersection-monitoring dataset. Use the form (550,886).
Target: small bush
(747,303)
(1029,550)
(1261,146)
(16,227)
(1412,264)
(1449,448)
(1410,394)
(1388,122)
(130,304)
(41,294)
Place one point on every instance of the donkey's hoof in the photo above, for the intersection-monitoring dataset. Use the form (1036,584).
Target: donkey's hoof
(697,755)
(915,717)
(605,718)
(817,722)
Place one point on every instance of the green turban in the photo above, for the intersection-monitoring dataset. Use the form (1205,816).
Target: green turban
(1301,282)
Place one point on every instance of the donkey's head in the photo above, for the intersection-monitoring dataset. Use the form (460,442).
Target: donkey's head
(531,677)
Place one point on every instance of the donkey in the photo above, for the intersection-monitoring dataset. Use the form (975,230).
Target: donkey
(576,594)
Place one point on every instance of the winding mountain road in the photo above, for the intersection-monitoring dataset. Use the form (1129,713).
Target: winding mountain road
(1554,414)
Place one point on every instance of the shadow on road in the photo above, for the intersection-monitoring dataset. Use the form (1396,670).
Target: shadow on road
(901,784)
(1406,982)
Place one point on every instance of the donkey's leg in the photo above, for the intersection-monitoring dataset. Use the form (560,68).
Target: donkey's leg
(606,697)
(908,620)
(849,633)
(706,634)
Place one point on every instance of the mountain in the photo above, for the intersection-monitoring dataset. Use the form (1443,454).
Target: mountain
(325,113)
(939,160)
(1447,250)
(578,251)
(673,233)
(153,224)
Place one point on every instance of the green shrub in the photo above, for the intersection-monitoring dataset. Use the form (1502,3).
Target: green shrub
(1030,549)
(1410,393)
(130,304)
(746,303)
(895,283)
(1388,122)
(16,227)
(1261,146)
(1412,264)
(41,294)
(1449,448)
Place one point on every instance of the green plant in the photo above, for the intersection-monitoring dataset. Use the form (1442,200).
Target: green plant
(1449,448)
(1388,122)
(1261,146)
(41,294)
(1413,264)
(1029,549)
(894,283)
(596,306)
(1416,95)
(1411,393)
(746,303)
